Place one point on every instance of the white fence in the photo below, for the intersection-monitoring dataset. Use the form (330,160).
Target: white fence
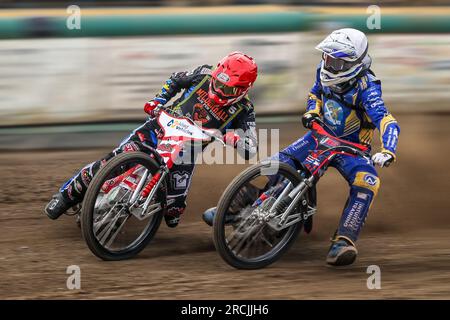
(97,79)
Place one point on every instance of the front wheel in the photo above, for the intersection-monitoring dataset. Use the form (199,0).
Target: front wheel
(116,220)
(245,229)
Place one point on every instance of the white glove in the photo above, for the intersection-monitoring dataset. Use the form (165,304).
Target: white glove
(382,159)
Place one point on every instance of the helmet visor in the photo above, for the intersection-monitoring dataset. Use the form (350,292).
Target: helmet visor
(225,90)
(335,65)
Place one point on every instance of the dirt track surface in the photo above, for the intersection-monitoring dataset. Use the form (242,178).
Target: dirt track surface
(406,235)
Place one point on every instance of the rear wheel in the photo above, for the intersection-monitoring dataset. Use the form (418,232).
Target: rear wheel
(250,240)
(116,222)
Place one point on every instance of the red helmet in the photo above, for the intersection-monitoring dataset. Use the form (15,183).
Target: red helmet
(233,77)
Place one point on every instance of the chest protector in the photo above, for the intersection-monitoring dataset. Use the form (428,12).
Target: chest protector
(344,114)
(196,105)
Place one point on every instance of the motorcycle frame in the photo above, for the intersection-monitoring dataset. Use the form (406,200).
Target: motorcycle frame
(166,165)
(321,158)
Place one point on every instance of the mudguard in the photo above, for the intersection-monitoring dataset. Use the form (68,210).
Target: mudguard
(152,153)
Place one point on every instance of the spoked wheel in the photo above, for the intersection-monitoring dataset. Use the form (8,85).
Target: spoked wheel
(245,229)
(117,222)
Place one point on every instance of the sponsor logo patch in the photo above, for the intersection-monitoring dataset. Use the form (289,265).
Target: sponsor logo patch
(200,114)
(205,71)
(329,142)
(165,147)
(180,180)
(223,77)
(353,220)
(175,211)
(219,113)
(130,146)
(370,179)
(85,177)
(53,204)
(333,113)
(175,124)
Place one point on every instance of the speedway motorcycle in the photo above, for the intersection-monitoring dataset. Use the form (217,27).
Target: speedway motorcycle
(262,211)
(126,200)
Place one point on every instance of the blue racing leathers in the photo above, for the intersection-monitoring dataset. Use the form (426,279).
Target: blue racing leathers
(353,116)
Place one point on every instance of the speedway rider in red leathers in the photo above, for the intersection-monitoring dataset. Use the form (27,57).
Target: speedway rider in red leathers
(217,98)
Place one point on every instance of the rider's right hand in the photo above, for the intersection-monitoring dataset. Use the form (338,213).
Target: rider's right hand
(382,159)
(231,138)
(152,107)
(308,119)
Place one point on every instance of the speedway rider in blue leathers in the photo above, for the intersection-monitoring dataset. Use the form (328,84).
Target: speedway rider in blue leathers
(347,96)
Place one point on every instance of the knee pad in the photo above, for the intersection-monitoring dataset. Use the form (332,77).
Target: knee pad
(367,180)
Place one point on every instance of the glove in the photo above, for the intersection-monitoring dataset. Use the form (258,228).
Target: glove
(382,159)
(308,119)
(152,107)
(231,138)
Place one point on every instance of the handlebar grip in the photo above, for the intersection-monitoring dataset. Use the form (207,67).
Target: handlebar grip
(388,163)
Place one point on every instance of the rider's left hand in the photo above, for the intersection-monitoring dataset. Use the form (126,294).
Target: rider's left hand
(231,138)
(382,159)
(308,119)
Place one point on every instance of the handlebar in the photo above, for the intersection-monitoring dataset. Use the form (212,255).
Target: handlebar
(356,151)
(211,135)
(354,148)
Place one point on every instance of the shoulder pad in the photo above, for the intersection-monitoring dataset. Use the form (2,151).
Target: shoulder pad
(367,81)
(201,70)
(372,77)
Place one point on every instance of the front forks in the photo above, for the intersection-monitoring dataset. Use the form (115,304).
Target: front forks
(285,204)
(147,192)
(159,178)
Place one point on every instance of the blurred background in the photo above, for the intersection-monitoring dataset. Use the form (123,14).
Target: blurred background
(69,95)
(54,73)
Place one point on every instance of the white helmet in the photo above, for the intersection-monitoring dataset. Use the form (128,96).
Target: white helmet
(344,56)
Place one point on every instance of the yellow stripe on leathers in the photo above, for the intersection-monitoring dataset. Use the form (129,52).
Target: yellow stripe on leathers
(368,181)
(366,134)
(352,123)
(318,107)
